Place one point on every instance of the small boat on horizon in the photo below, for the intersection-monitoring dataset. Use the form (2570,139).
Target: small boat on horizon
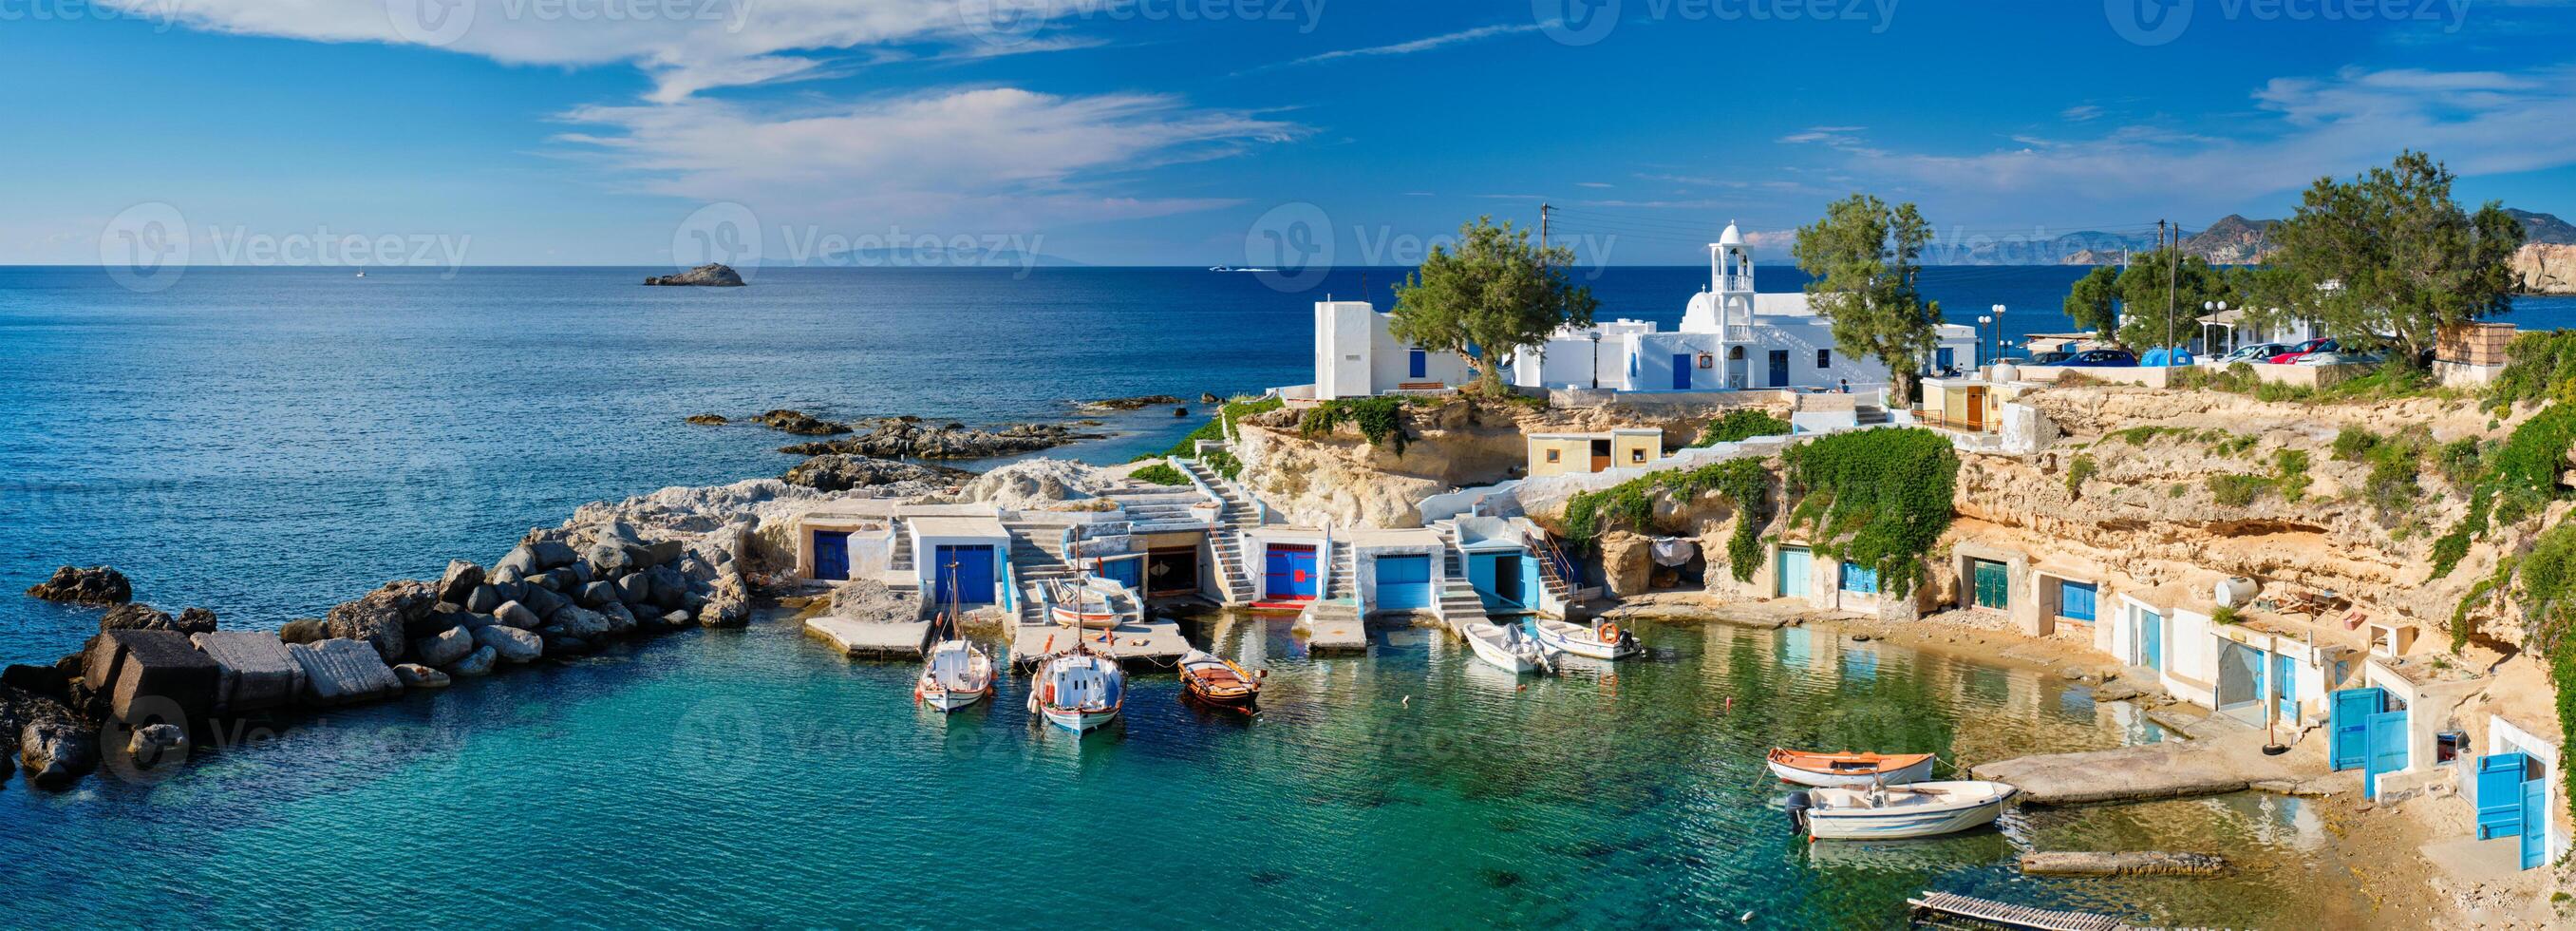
(1214,680)
(1600,641)
(1506,647)
(1078,690)
(1923,809)
(1847,769)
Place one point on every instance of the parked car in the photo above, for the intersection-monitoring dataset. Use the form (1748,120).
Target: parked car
(2320,344)
(2332,357)
(2051,357)
(2257,352)
(2103,358)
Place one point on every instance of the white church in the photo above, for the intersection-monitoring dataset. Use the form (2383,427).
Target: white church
(1731,338)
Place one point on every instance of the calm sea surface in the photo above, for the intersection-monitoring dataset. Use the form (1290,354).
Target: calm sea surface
(269,442)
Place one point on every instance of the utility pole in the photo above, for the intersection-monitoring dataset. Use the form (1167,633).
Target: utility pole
(1542,233)
(2173,281)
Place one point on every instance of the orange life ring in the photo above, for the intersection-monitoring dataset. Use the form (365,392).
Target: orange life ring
(1609,633)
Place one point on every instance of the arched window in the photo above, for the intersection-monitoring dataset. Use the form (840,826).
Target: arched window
(1734,353)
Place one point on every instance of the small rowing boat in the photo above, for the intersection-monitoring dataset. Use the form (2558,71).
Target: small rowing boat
(1830,770)
(1091,602)
(1924,809)
(955,674)
(1506,647)
(1600,641)
(1078,690)
(1217,681)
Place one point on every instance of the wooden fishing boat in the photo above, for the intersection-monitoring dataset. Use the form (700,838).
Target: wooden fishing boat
(1078,690)
(1599,641)
(1091,603)
(954,675)
(1506,648)
(1217,681)
(1923,809)
(1832,770)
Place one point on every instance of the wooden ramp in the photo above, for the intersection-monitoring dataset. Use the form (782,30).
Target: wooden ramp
(2007,915)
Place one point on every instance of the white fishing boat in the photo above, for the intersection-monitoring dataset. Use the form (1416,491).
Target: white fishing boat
(1507,647)
(955,674)
(1600,641)
(1078,690)
(1923,809)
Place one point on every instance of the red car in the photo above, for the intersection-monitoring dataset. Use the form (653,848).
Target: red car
(2319,344)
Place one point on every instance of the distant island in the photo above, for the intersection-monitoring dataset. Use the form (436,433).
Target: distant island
(716,275)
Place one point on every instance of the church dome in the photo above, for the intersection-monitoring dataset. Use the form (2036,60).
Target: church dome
(1732,237)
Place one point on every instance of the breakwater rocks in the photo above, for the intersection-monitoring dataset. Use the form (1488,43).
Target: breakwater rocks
(717,275)
(95,585)
(911,438)
(841,472)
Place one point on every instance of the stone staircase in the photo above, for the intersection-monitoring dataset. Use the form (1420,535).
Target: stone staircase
(1156,506)
(1558,589)
(1869,414)
(1037,555)
(1240,512)
(1459,603)
(1341,578)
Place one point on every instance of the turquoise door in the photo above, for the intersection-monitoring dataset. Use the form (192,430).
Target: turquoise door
(2285,687)
(1681,371)
(2535,823)
(2387,740)
(1796,566)
(2348,720)
(1403,583)
(2150,637)
(2075,601)
(832,555)
(2500,794)
(965,574)
(1993,588)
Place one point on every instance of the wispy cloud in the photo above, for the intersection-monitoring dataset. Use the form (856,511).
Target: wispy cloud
(1590,184)
(1827,135)
(2080,113)
(1417,45)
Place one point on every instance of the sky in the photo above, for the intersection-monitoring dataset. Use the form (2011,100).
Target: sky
(1237,132)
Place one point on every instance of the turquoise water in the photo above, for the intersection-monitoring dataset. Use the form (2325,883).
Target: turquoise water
(753,777)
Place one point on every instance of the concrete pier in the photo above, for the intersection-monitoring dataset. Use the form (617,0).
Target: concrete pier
(2172,769)
(1333,627)
(872,639)
(1139,645)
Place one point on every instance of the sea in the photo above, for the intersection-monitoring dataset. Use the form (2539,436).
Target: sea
(267,442)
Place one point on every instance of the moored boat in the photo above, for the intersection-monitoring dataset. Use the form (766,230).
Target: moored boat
(1831,770)
(954,675)
(1923,809)
(1506,647)
(1218,681)
(1600,641)
(1091,602)
(1078,690)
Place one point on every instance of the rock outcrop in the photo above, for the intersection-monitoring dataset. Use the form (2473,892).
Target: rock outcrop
(2545,268)
(717,275)
(800,423)
(913,438)
(95,585)
(843,472)
(137,616)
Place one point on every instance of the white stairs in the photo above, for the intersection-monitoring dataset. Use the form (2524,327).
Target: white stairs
(1037,556)
(1459,603)
(1239,513)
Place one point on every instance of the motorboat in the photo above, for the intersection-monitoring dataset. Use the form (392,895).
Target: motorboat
(1599,641)
(1830,770)
(1078,690)
(1922,809)
(954,675)
(1507,647)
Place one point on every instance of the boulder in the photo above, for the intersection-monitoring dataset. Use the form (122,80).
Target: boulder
(56,752)
(581,622)
(544,602)
(459,583)
(444,648)
(383,618)
(197,621)
(1627,562)
(670,588)
(153,743)
(511,644)
(553,554)
(482,599)
(635,589)
(620,620)
(149,675)
(254,669)
(448,618)
(341,671)
(519,564)
(303,630)
(511,591)
(475,665)
(95,585)
(609,560)
(49,681)
(136,617)
(676,620)
(417,676)
(514,614)
(597,595)
(471,621)
(661,553)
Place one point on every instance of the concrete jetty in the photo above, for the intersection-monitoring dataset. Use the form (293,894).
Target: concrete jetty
(2173,769)
(872,639)
(2121,863)
(1333,626)
(1142,645)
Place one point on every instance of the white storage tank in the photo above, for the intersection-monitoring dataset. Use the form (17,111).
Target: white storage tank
(2235,592)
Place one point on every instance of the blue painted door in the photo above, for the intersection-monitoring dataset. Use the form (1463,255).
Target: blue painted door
(1859,579)
(1403,583)
(1417,364)
(2150,636)
(2535,823)
(2348,720)
(1681,371)
(2499,795)
(2285,687)
(1796,568)
(2387,742)
(832,555)
(1127,572)
(1290,573)
(2075,601)
(967,571)
(1779,368)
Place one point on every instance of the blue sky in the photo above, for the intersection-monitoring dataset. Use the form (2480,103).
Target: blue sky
(1191,131)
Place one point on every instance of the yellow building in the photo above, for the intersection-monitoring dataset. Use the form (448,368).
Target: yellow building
(1578,453)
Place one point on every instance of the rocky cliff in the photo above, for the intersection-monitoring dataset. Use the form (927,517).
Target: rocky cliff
(2545,268)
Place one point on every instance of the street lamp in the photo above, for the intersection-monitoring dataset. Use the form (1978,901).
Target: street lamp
(1982,320)
(1999,332)
(2215,307)
(1596,360)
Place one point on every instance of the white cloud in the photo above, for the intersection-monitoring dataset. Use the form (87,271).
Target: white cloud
(2080,113)
(1419,45)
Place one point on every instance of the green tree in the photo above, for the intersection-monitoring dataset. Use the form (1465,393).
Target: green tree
(2093,303)
(1495,293)
(2388,259)
(2129,304)
(1862,261)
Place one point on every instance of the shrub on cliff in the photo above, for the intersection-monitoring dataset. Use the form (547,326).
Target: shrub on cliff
(1160,473)
(1742,423)
(1880,498)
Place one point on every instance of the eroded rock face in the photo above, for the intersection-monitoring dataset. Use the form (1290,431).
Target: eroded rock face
(2545,268)
(911,438)
(843,472)
(1627,563)
(94,585)
(1034,484)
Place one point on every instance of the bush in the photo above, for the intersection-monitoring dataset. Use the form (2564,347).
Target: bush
(2237,491)
(1225,464)
(2077,472)
(2460,461)
(1880,498)
(2537,364)
(2290,468)
(1160,473)
(1214,429)
(1381,420)
(1740,424)
(2352,443)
